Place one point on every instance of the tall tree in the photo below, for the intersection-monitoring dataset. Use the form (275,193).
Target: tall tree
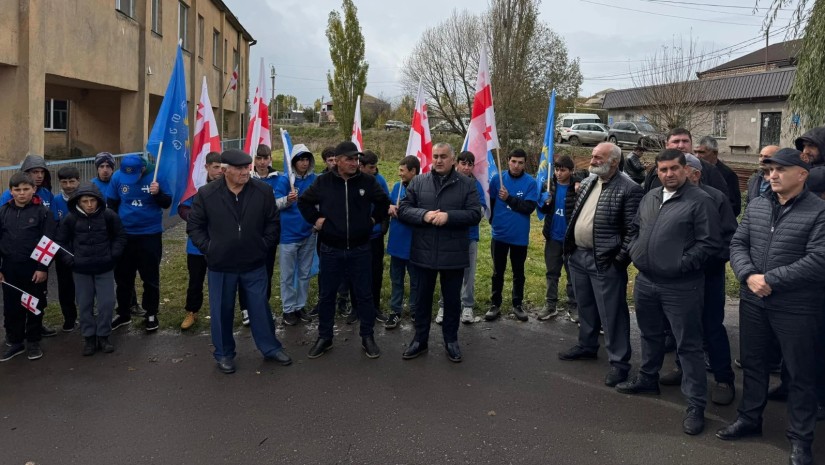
(349,76)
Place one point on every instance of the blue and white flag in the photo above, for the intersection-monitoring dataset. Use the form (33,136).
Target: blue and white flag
(287,141)
(172,129)
(545,172)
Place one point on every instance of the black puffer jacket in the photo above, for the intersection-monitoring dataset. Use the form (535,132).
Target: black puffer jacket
(674,241)
(96,240)
(787,245)
(441,247)
(727,223)
(21,229)
(816,177)
(549,208)
(612,222)
(347,206)
(732,182)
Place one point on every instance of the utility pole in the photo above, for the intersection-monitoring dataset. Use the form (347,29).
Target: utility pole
(320,108)
(272,99)
(767,31)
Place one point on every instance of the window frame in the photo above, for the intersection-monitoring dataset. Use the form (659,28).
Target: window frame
(119,6)
(183,22)
(157,17)
(716,124)
(201,34)
(51,115)
(216,48)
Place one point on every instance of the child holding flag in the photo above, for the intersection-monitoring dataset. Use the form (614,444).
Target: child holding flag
(24,220)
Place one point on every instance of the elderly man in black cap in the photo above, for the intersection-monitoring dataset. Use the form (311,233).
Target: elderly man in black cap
(343,205)
(234,223)
(778,255)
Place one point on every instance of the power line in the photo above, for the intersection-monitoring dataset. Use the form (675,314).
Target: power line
(708,4)
(693,8)
(668,16)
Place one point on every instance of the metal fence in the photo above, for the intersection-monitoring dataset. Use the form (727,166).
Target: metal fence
(86,166)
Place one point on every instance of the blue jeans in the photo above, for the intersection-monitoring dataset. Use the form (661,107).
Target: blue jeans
(222,287)
(352,266)
(296,264)
(398,269)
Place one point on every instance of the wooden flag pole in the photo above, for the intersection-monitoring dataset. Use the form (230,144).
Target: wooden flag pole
(157,162)
(500,176)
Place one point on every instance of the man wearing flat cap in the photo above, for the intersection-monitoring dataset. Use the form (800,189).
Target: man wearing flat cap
(343,205)
(778,256)
(234,222)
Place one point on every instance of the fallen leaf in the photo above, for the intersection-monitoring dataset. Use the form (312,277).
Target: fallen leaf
(177,360)
(491,413)
(132,369)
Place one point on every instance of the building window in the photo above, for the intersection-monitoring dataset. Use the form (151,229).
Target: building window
(236,58)
(156,16)
(183,25)
(225,48)
(126,7)
(200,36)
(216,48)
(57,115)
(720,124)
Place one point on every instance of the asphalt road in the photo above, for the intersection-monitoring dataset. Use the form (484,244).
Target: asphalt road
(160,399)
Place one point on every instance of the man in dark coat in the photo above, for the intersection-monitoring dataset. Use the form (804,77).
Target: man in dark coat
(778,255)
(441,206)
(758,183)
(708,150)
(343,205)
(812,146)
(235,224)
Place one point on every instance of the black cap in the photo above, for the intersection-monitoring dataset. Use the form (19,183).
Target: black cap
(788,157)
(235,157)
(347,149)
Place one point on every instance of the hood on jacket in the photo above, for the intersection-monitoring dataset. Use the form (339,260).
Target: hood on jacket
(297,151)
(36,161)
(86,189)
(815,136)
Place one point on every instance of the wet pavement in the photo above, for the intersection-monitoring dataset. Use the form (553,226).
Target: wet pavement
(160,399)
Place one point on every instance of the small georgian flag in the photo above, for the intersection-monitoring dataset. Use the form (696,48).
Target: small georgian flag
(45,251)
(30,303)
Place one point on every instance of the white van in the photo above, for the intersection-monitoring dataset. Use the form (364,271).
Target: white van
(565,120)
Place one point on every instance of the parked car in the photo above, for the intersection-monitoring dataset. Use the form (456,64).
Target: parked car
(567,120)
(579,134)
(636,133)
(443,127)
(392,124)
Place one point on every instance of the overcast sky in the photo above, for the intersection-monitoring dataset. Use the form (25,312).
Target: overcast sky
(611,38)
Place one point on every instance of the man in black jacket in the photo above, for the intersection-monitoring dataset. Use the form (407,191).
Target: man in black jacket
(634,166)
(674,235)
(680,139)
(234,223)
(441,206)
(812,146)
(708,150)
(778,255)
(344,205)
(596,242)
(758,183)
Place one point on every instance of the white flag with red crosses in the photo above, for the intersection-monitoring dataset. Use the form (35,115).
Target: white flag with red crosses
(30,302)
(45,251)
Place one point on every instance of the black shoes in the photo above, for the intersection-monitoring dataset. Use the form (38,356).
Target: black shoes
(105,346)
(370,347)
(778,393)
(226,365)
(69,326)
(577,353)
(392,321)
(641,384)
(739,429)
(120,321)
(694,422)
(33,351)
(281,357)
(674,378)
(89,346)
(303,315)
(152,323)
(453,351)
(320,347)
(45,331)
(722,393)
(801,454)
(615,376)
(519,312)
(380,316)
(414,350)
(352,317)
(291,318)
(493,313)
(12,351)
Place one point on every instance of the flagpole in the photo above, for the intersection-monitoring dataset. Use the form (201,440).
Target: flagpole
(14,287)
(500,176)
(157,162)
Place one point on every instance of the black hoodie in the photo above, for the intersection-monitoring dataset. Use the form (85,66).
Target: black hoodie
(816,177)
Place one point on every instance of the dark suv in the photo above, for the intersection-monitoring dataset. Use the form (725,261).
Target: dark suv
(635,133)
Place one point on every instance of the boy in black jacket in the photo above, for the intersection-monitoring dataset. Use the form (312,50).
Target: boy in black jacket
(23,221)
(96,238)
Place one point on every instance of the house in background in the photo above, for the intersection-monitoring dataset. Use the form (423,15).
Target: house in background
(84,77)
(368,104)
(747,100)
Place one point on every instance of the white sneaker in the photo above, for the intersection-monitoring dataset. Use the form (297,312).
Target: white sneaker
(440,317)
(467,315)
(245,317)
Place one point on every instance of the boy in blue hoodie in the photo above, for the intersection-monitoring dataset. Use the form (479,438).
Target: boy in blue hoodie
(398,244)
(69,179)
(297,237)
(511,206)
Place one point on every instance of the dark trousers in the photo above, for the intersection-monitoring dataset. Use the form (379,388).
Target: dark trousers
(20,323)
(820,363)
(196,265)
(518,255)
(270,268)
(142,255)
(65,292)
(602,299)
(377,265)
(351,266)
(554,261)
(681,303)
(450,293)
(797,335)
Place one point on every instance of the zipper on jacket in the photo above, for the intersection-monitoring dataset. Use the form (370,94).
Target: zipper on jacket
(774,221)
(237,218)
(346,208)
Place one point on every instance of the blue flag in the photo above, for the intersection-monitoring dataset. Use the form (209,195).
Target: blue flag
(172,128)
(546,161)
(287,141)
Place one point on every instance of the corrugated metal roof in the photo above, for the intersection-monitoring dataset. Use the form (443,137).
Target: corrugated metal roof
(770,84)
(782,54)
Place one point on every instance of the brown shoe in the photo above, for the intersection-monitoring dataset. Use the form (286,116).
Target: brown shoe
(190,319)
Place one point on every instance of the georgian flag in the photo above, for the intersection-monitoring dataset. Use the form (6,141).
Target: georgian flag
(45,251)
(206,140)
(357,135)
(233,83)
(258,132)
(420,143)
(30,303)
(482,136)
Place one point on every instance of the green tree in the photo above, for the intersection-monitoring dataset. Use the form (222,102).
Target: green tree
(349,76)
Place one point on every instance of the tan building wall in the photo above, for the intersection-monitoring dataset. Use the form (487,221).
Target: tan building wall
(113,68)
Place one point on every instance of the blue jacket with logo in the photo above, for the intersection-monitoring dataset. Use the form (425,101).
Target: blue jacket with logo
(511,219)
(293,226)
(45,195)
(139,211)
(60,207)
